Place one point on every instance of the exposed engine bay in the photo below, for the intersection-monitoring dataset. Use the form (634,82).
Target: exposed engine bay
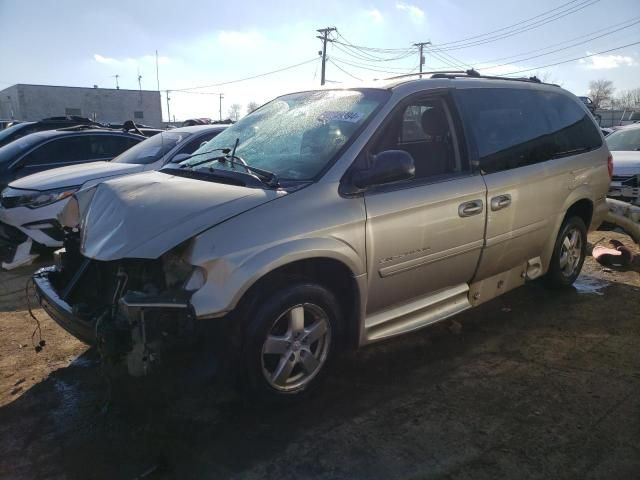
(133,310)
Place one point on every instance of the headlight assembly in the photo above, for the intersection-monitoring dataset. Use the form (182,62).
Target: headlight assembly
(12,198)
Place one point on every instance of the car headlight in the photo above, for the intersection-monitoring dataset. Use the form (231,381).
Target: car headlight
(12,198)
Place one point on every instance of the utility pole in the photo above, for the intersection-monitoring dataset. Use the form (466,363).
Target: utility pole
(168,111)
(325,33)
(157,72)
(221,96)
(421,46)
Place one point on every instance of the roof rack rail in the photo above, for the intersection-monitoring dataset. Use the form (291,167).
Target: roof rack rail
(472,73)
(84,127)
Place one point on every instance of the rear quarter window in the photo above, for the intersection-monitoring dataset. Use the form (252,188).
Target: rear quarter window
(514,127)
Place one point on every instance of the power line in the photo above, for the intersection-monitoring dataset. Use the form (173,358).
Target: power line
(365,66)
(457,46)
(509,26)
(378,70)
(635,21)
(572,59)
(360,54)
(343,70)
(246,78)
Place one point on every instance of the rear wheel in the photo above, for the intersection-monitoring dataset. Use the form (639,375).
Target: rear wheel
(289,339)
(569,253)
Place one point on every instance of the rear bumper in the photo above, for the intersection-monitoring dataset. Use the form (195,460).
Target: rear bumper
(59,310)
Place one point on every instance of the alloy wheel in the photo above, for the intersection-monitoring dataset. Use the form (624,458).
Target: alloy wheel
(570,252)
(296,347)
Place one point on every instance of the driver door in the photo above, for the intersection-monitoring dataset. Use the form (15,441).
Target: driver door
(424,235)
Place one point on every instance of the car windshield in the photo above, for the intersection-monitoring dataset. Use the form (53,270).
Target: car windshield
(294,136)
(7,132)
(152,149)
(626,139)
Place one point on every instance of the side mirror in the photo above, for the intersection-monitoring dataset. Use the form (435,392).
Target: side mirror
(180,157)
(388,166)
(204,143)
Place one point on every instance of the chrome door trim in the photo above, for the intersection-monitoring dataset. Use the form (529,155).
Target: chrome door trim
(429,258)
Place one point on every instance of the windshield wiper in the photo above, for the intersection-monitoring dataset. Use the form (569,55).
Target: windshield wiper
(265,176)
(225,150)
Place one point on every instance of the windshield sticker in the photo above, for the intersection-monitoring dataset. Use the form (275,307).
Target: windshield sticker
(352,117)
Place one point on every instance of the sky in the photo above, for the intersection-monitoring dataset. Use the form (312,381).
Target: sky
(207,43)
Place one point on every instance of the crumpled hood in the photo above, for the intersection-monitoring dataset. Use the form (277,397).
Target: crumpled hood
(145,215)
(73,175)
(626,162)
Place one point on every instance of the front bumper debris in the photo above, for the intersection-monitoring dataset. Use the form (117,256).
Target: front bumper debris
(59,310)
(138,331)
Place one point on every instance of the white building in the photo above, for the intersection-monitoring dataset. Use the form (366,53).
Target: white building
(34,102)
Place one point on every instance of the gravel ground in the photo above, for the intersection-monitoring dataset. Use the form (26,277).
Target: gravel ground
(535,384)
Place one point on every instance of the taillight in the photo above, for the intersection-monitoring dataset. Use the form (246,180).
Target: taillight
(610,165)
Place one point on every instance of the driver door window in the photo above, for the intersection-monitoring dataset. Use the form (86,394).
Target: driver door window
(424,129)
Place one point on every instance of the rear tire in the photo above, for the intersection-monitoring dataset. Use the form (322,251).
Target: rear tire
(289,337)
(569,254)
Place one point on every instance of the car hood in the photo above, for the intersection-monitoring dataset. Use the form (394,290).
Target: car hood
(145,215)
(626,162)
(73,175)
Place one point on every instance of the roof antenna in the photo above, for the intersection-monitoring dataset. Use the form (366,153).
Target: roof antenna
(139,80)
(116,76)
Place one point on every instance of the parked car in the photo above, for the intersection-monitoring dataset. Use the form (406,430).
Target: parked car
(624,144)
(318,223)
(29,206)
(589,104)
(21,129)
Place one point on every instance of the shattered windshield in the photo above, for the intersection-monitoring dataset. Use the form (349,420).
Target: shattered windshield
(294,136)
(151,149)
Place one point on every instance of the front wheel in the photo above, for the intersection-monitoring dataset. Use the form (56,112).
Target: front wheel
(568,254)
(289,339)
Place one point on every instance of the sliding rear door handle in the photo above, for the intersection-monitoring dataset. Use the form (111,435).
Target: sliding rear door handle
(500,202)
(468,209)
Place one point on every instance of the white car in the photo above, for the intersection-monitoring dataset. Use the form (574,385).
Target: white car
(29,206)
(625,149)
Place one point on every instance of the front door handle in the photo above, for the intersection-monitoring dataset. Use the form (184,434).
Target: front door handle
(467,209)
(500,202)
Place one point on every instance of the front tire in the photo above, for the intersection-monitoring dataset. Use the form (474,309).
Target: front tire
(569,254)
(289,338)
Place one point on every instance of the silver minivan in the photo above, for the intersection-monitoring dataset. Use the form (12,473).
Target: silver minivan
(331,219)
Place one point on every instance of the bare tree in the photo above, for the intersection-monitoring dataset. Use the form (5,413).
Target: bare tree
(601,91)
(251,106)
(234,112)
(628,98)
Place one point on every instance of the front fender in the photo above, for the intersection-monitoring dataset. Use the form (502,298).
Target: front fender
(228,279)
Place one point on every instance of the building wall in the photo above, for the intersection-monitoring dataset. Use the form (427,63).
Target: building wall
(9,104)
(34,102)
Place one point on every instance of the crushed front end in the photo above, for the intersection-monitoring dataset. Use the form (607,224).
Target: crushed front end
(135,311)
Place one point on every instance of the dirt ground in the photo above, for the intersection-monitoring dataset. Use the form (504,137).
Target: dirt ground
(535,384)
